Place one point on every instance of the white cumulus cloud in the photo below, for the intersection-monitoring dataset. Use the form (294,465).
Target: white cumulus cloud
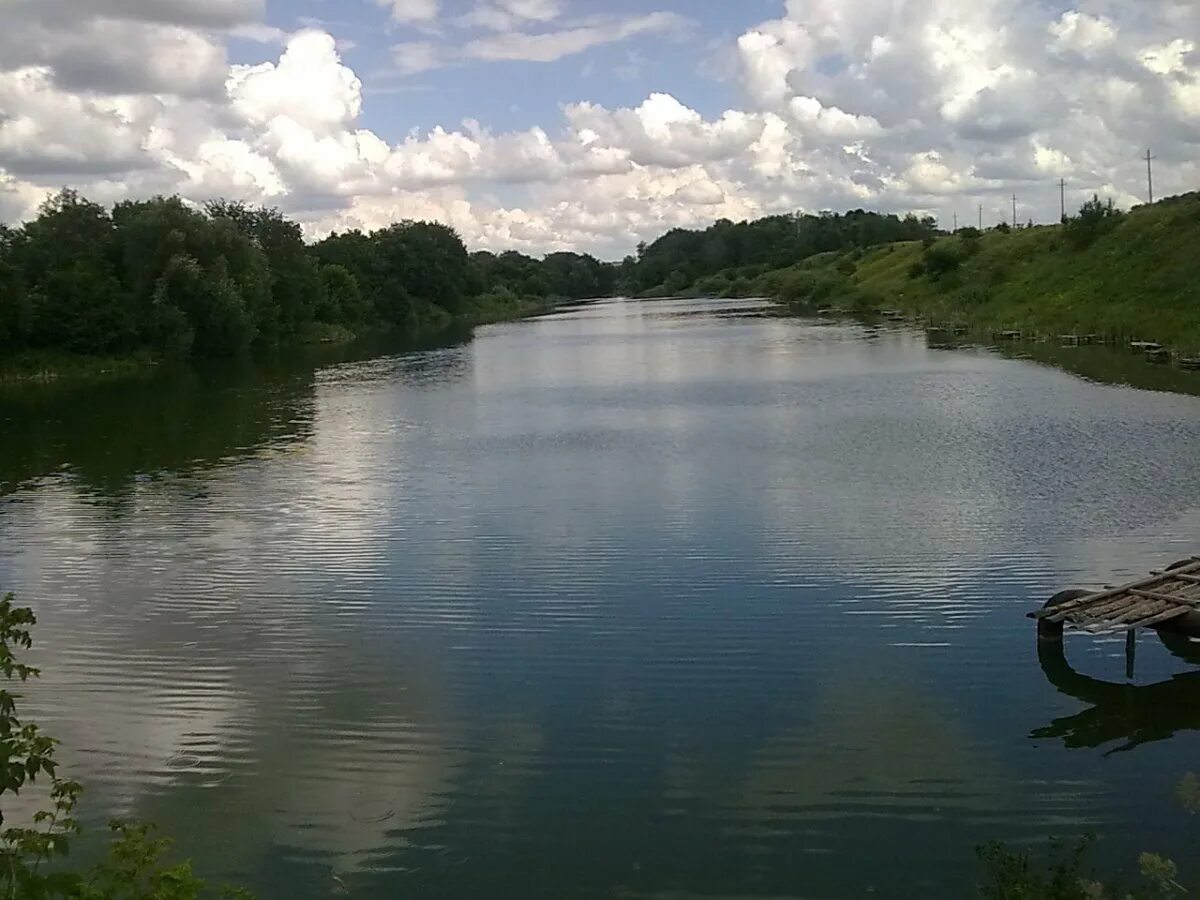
(936,108)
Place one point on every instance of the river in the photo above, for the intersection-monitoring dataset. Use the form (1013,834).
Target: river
(643,600)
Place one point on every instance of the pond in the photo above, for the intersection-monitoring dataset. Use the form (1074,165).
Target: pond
(671,599)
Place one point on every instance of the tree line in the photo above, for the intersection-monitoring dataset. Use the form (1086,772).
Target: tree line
(162,276)
(727,251)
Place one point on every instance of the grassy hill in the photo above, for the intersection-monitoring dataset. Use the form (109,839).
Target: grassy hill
(1125,276)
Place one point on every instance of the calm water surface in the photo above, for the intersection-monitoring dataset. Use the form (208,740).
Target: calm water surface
(635,600)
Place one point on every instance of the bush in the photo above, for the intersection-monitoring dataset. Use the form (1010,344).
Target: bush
(1096,218)
(1016,876)
(942,259)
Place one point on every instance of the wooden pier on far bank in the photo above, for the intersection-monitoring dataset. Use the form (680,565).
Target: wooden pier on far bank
(1165,601)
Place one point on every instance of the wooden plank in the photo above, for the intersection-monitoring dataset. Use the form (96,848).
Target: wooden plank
(1102,611)
(1145,610)
(1133,612)
(1098,610)
(1149,622)
(1113,592)
(1190,579)
(1165,598)
(1162,617)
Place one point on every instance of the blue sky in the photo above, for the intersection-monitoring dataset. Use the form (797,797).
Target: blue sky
(519,94)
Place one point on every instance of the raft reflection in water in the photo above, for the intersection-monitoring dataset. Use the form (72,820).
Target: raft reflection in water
(1134,714)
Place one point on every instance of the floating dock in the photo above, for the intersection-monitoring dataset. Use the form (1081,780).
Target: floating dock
(1165,601)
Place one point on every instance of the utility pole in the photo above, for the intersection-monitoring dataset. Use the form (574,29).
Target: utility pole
(981,217)
(1062,190)
(1014,211)
(1150,174)
(956,223)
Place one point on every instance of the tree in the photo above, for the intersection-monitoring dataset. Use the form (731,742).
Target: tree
(1096,218)
(356,253)
(295,279)
(748,249)
(151,234)
(66,260)
(16,310)
(341,300)
(201,309)
(428,258)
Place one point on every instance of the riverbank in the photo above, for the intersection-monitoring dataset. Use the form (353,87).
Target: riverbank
(1130,278)
(429,325)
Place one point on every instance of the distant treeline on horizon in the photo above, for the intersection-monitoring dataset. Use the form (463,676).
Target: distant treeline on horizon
(160,276)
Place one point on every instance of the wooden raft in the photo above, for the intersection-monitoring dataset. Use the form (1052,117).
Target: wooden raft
(1139,604)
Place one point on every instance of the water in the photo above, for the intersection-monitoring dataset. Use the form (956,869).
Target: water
(637,600)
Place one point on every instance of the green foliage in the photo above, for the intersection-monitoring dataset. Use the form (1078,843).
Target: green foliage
(201,308)
(1136,279)
(577,276)
(1011,875)
(429,259)
(159,275)
(941,260)
(341,300)
(680,258)
(33,853)
(1096,218)
(1016,875)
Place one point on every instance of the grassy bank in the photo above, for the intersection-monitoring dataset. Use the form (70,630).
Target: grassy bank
(42,367)
(1132,276)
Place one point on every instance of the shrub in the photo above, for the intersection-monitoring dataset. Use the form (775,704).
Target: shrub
(942,259)
(1096,218)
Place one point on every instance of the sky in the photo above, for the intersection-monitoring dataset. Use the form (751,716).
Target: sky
(542,125)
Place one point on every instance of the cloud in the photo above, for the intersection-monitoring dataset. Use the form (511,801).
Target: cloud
(838,104)
(549,46)
(418,56)
(412,11)
(507,15)
(309,85)
(508,43)
(190,13)
(114,56)
(49,133)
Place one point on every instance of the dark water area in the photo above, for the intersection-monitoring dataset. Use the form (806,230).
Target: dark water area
(661,600)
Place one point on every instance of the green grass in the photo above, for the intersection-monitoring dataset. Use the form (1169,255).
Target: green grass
(1138,281)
